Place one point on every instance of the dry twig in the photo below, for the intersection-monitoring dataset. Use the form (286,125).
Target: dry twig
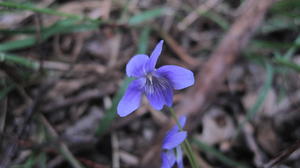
(213,74)
(283,155)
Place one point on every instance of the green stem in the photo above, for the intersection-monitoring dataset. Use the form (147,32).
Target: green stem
(186,145)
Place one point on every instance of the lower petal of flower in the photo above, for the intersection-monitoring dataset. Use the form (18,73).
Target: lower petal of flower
(175,128)
(159,92)
(174,140)
(132,98)
(168,159)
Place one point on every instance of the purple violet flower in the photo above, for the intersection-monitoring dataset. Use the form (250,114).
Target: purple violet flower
(156,84)
(172,151)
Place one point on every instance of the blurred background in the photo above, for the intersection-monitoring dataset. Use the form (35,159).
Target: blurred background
(62,74)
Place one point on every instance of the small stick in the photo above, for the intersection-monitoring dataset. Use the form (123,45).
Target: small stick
(283,155)
(213,73)
(3,109)
(116,152)
(63,147)
(182,54)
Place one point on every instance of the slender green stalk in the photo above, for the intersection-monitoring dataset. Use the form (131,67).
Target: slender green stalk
(186,145)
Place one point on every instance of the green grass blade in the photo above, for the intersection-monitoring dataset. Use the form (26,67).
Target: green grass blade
(146,16)
(217,154)
(260,99)
(293,49)
(10,58)
(39,10)
(218,19)
(62,26)
(262,94)
(280,23)
(144,40)
(17,44)
(23,30)
(70,25)
(290,8)
(5,91)
(285,62)
(42,160)
(29,163)
(271,44)
(67,25)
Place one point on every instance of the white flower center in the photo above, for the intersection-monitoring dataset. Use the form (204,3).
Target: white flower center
(155,83)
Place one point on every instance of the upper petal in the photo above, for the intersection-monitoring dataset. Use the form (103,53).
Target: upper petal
(132,98)
(173,141)
(182,120)
(136,65)
(159,92)
(179,77)
(154,56)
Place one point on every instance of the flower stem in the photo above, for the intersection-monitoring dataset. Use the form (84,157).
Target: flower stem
(186,145)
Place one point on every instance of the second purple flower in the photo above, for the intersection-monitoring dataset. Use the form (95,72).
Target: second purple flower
(156,84)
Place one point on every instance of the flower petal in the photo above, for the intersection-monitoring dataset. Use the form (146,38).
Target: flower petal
(171,132)
(165,163)
(168,159)
(159,92)
(135,66)
(179,77)
(174,140)
(182,120)
(154,56)
(175,129)
(132,98)
(179,156)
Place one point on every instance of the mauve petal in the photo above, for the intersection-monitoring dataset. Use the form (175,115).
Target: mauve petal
(136,65)
(154,56)
(182,120)
(179,157)
(174,140)
(175,129)
(170,133)
(179,77)
(159,93)
(165,163)
(132,98)
(168,159)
